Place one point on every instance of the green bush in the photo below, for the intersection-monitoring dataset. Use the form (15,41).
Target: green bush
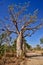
(1,51)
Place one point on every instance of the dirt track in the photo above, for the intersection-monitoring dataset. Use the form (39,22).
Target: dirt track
(35,61)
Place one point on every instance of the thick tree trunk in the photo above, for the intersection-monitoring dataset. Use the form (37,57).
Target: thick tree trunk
(19,45)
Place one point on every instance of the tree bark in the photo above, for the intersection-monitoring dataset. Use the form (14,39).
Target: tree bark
(24,48)
(19,45)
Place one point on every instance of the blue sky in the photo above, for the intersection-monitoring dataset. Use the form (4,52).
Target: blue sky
(34,4)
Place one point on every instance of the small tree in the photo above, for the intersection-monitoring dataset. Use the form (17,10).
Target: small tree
(38,47)
(14,45)
(23,24)
(41,40)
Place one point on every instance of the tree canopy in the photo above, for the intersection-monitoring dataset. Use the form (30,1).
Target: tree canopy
(19,20)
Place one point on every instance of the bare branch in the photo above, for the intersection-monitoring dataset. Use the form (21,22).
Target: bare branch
(23,8)
(33,29)
(13,20)
(26,24)
(30,34)
(31,19)
(2,29)
(7,30)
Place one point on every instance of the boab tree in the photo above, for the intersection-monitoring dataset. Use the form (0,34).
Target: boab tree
(23,24)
